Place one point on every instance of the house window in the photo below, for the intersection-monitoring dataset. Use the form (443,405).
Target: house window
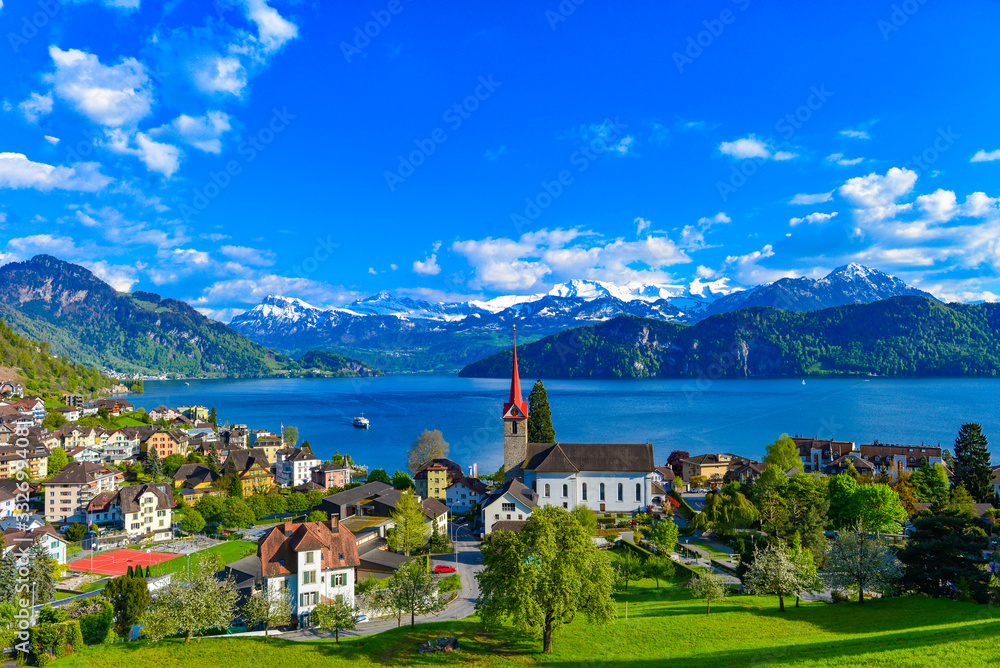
(310,557)
(638,491)
(547,491)
(602,491)
(309,577)
(508,508)
(621,492)
(338,579)
(584,491)
(565,490)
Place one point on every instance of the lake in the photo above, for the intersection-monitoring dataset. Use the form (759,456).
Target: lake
(737,416)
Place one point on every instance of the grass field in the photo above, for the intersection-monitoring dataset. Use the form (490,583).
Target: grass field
(664,627)
(229,552)
(710,549)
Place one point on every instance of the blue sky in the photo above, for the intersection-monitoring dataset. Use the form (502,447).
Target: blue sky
(219,152)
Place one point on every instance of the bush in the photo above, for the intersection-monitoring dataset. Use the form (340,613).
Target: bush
(840,597)
(95,625)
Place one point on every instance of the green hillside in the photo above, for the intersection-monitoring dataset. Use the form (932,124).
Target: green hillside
(43,373)
(903,336)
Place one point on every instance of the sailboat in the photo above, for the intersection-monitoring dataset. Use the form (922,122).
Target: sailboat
(803,381)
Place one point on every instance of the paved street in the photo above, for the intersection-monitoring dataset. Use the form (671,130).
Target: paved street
(467,558)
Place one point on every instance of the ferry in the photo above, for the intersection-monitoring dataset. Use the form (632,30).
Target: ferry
(361,422)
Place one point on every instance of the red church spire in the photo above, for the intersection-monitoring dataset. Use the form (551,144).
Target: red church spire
(515,407)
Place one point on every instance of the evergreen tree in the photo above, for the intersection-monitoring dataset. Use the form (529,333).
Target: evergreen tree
(946,551)
(213,417)
(152,464)
(540,416)
(40,572)
(213,457)
(129,596)
(8,578)
(972,462)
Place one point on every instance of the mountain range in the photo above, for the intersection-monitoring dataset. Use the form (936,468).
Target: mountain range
(901,336)
(403,334)
(84,319)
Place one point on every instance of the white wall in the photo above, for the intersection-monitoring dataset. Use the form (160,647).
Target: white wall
(593,480)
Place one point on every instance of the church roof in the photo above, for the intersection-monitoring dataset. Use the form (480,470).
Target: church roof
(574,457)
(515,400)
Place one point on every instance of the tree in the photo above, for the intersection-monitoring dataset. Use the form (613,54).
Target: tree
(173,462)
(586,517)
(961,501)
(972,462)
(805,566)
(379,475)
(784,454)
(57,460)
(237,514)
(129,597)
(290,436)
(205,603)
(429,445)
(53,420)
(659,568)
(629,567)
(858,561)
(907,494)
(414,590)
(410,531)
(193,522)
(76,532)
(269,606)
(725,513)
(663,535)
(931,484)
(213,457)
(775,572)
(543,576)
(675,458)
(401,480)
(41,568)
(877,509)
(152,465)
(213,417)
(807,508)
(540,416)
(337,616)
(710,588)
(945,554)
(211,508)
(318,516)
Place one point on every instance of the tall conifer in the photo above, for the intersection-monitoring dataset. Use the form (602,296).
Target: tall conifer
(540,416)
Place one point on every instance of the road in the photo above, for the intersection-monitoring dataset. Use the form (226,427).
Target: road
(467,558)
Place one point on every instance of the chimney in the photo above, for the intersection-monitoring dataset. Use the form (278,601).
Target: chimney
(334,522)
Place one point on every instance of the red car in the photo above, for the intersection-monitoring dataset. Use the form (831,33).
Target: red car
(441,568)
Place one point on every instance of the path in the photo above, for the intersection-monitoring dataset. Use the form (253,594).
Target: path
(467,558)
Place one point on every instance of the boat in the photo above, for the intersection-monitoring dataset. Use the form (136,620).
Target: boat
(361,422)
(803,381)
(187,383)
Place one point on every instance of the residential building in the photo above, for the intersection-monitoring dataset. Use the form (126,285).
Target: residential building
(328,475)
(6,433)
(11,388)
(115,406)
(8,502)
(513,501)
(269,444)
(896,459)
(146,511)
(75,400)
(81,454)
(34,456)
(122,445)
(818,453)
(294,466)
(253,470)
(88,410)
(843,464)
(33,406)
(310,562)
(464,494)
(378,499)
(70,413)
(163,413)
(195,476)
(166,442)
(746,470)
(46,535)
(76,436)
(69,492)
(432,478)
(194,412)
(713,467)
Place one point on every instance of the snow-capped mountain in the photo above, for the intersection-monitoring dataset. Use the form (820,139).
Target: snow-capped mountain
(403,334)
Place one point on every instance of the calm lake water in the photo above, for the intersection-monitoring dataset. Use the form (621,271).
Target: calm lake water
(737,416)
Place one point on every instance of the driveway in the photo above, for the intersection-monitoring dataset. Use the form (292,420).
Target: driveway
(469,561)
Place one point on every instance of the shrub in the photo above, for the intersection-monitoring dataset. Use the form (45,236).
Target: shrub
(839,597)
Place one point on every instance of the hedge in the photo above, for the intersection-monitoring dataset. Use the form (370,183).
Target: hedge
(48,640)
(641,551)
(686,510)
(685,570)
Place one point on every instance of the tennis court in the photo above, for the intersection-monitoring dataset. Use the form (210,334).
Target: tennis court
(118,561)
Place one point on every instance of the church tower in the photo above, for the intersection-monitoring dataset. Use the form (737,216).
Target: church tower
(515,424)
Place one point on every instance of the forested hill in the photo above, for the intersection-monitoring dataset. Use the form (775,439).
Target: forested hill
(902,336)
(42,373)
(87,320)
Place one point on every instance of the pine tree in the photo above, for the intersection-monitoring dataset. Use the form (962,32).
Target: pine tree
(540,416)
(972,462)
(152,464)
(40,567)
(8,578)
(213,457)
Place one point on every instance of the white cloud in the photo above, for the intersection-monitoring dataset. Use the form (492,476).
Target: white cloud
(610,134)
(252,290)
(984,156)
(427,266)
(641,225)
(16,171)
(250,256)
(122,5)
(113,95)
(273,29)
(202,132)
(693,236)
(371,270)
(157,156)
(121,278)
(978,205)
(876,195)
(939,206)
(839,159)
(52,140)
(751,147)
(747,270)
(221,74)
(818,198)
(855,134)
(394,266)
(812,218)
(23,248)
(492,155)
(35,106)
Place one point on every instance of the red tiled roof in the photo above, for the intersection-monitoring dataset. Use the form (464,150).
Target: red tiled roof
(277,549)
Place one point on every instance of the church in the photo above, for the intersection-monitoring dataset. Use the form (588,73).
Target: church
(605,477)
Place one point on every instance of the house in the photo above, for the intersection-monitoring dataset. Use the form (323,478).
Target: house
(896,459)
(69,492)
(6,433)
(115,406)
(145,511)
(70,413)
(605,477)
(88,410)
(713,467)
(33,456)
(269,444)
(236,437)
(432,478)
(33,406)
(378,499)
(21,521)
(294,466)
(252,469)
(310,562)
(194,412)
(122,445)
(513,501)
(166,442)
(464,493)
(817,453)
(46,535)
(11,388)
(843,464)
(745,470)
(82,454)
(163,413)
(8,502)
(195,476)
(75,436)
(665,476)
(328,475)
(75,400)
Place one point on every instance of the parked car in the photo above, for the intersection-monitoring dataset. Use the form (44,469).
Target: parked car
(441,568)
(361,619)
(460,520)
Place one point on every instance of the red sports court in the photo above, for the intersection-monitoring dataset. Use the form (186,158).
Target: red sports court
(118,561)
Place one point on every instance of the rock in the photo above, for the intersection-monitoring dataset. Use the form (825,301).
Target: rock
(439,645)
